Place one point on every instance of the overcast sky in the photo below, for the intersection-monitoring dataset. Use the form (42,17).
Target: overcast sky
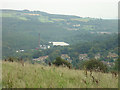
(84,8)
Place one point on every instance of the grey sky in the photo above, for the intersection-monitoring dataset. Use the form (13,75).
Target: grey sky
(83,8)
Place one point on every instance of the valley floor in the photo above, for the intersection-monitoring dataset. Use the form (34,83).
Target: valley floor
(14,75)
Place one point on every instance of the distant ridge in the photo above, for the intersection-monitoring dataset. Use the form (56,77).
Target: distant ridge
(44,13)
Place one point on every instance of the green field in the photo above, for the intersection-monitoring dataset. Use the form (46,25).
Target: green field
(44,19)
(58,19)
(15,75)
(13,15)
(88,27)
(81,19)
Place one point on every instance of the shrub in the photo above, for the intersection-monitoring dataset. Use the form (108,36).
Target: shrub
(59,61)
(11,59)
(95,65)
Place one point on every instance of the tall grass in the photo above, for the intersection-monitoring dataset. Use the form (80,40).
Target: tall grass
(0,74)
(15,75)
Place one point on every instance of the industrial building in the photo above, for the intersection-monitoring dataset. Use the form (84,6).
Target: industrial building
(59,43)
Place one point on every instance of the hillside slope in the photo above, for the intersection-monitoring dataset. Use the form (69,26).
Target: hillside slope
(20,29)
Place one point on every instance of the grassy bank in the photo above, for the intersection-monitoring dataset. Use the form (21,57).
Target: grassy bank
(15,75)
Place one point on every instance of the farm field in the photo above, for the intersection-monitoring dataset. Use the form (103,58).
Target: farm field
(14,75)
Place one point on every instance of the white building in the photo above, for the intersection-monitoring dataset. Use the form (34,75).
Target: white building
(59,43)
(20,51)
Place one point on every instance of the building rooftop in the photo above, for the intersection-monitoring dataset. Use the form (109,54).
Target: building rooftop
(59,44)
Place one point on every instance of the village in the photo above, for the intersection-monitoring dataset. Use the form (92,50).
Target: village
(82,57)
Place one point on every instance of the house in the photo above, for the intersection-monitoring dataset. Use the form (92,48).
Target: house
(66,57)
(112,55)
(83,57)
(97,56)
(43,47)
(108,63)
(42,58)
(20,51)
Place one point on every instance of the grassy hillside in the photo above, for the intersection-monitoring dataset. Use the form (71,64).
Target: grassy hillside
(20,29)
(15,75)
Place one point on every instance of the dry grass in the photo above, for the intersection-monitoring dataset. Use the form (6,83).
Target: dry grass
(15,75)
